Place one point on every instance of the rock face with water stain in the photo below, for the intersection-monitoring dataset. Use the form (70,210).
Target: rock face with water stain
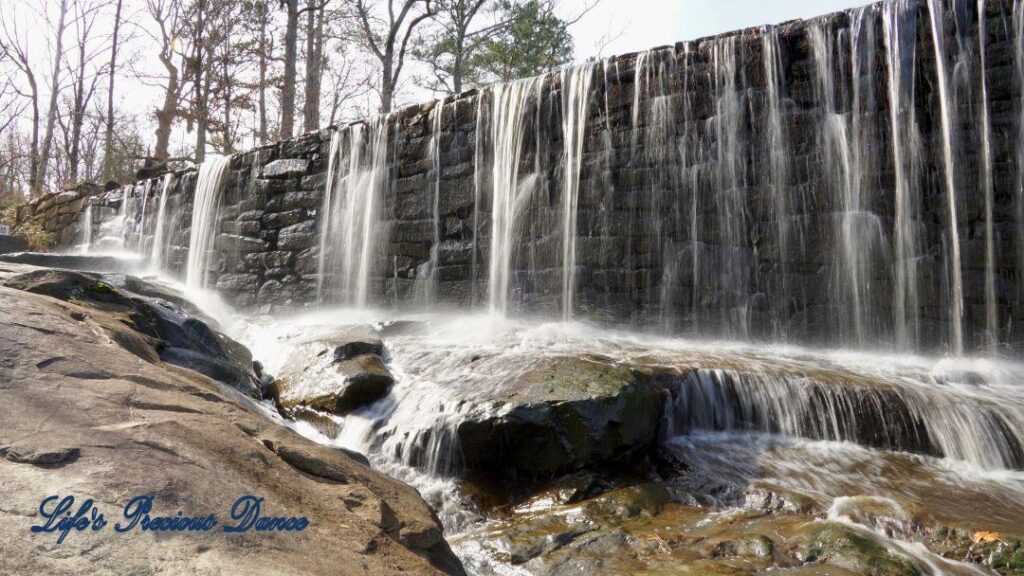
(564,414)
(92,409)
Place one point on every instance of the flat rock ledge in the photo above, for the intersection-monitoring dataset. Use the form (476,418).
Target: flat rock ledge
(92,409)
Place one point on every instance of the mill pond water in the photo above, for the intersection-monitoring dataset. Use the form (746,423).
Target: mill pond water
(802,275)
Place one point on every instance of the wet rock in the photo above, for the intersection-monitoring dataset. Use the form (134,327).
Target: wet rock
(564,414)
(297,236)
(285,168)
(841,546)
(88,263)
(337,375)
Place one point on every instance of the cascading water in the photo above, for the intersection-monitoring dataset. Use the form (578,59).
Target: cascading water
(349,219)
(205,219)
(159,249)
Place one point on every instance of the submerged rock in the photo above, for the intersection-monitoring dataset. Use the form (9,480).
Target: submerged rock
(564,414)
(337,375)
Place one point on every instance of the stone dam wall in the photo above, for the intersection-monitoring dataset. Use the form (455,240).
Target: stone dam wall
(746,185)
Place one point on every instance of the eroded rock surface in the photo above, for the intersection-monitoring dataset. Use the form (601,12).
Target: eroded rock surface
(92,409)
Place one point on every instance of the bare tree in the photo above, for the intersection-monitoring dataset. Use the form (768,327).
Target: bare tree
(108,138)
(167,15)
(388,38)
(83,83)
(51,115)
(291,35)
(15,50)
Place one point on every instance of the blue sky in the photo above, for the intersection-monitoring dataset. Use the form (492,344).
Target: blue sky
(633,25)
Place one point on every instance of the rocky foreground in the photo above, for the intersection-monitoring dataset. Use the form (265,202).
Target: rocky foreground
(109,394)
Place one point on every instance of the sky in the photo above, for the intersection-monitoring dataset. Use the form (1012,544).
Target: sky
(634,25)
(609,27)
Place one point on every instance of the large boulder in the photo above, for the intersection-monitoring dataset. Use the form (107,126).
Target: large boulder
(564,413)
(176,337)
(90,411)
(336,375)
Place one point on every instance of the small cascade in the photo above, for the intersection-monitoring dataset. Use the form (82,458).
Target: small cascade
(159,249)
(890,414)
(349,225)
(900,33)
(205,209)
(949,123)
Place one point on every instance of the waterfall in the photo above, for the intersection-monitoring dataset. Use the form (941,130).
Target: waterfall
(509,195)
(126,216)
(777,175)
(325,212)
(728,276)
(900,22)
(349,223)
(159,232)
(949,122)
(205,208)
(991,314)
(85,229)
(427,277)
(575,97)
(1018,67)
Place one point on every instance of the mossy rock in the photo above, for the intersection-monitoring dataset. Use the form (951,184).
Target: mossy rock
(842,546)
(564,414)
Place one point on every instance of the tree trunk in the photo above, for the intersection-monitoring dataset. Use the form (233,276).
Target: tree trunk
(166,114)
(387,87)
(77,117)
(51,117)
(201,86)
(263,73)
(108,138)
(288,84)
(314,65)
